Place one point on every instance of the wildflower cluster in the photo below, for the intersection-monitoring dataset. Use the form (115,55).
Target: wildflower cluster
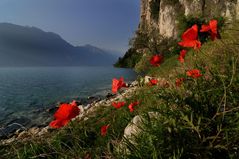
(189,40)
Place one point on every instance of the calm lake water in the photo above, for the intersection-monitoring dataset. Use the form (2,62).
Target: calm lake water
(26,92)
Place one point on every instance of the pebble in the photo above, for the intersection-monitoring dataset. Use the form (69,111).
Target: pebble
(43,131)
(87,106)
(82,109)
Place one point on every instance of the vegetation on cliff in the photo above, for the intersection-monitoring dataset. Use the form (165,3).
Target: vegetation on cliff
(129,60)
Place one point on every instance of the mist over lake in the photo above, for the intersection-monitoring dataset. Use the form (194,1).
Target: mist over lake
(27,92)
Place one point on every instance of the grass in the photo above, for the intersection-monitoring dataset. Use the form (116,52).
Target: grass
(198,120)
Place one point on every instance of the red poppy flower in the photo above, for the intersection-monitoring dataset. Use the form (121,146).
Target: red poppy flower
(132,105)
(190,38)
(104,130)
(153,82)
(195,73)
(156,60)
(182,56)
(179,81)
(117,84)
(58,123)
(118,105)
(211,28)
(205,28)
(64,114)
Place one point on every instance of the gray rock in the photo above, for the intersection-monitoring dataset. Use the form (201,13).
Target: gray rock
(24,134)
(135,126)
(8,141)
(134,84)
(87,106)
(82,109)
(43,131)
(132,130)
(34,130)
(147,79)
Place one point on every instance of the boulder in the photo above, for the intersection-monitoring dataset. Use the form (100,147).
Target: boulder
(135,126)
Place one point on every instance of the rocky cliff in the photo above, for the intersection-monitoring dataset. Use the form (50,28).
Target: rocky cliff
(163,14)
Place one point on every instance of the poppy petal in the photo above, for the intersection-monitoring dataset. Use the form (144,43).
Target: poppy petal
(189,38)
(64,114)
(179,81)
(67,111)
(117,84)
(156,60)
(190,34)
(181,59)
(58,123)
(213,26)
(103,130)
(118,105)
(132,105)
(205,28)
(195,73)
(153,82)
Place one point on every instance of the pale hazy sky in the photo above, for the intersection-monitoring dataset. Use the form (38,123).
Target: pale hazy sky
(104,23)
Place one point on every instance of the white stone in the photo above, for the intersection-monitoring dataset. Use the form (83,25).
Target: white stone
(147,79)
(43,131)
(134,84)
(34,130)
(87,106)
(135,126)
(82,109)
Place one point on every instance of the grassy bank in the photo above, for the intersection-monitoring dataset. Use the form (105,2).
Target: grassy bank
(199,119)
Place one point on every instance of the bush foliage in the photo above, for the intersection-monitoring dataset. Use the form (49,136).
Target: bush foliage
(129,60)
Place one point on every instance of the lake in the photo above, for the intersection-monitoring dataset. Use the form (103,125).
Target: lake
(26,92)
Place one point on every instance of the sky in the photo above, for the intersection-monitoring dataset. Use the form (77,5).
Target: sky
(108,24)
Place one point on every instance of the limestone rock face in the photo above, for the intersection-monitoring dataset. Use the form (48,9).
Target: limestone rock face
(192,7)
(237,10)
(166,23)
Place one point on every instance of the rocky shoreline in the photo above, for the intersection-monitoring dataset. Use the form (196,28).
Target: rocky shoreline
(20,133)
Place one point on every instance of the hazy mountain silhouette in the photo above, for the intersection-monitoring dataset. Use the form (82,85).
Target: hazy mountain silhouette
(30,46)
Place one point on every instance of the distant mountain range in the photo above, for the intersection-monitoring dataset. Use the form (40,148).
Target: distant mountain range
(30,46)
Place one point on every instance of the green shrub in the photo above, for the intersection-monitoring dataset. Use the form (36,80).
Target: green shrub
(129,60)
